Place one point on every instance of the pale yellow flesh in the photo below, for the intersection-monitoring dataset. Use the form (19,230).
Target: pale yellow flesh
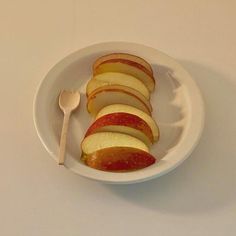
(127,130)
(127,69)
(113,78)
(102,140)
(132,110)
(105,98)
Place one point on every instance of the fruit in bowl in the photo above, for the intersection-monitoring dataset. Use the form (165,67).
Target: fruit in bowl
(123,123)
(118,98)
(127,64)
(132,110)
(113,94)
(119,159)
(114,78)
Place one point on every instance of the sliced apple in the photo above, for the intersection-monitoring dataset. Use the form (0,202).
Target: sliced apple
(97,141)
(119,159)
(127,67)
(123,123)
(131,110)
(111,94)
(114,78)
(125,56)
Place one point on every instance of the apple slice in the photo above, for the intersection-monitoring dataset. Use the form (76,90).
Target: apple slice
(101,140)
(114,78)
(125,56)
(123,123)
(111,94)
(119,159)
(131,110)
(127,67)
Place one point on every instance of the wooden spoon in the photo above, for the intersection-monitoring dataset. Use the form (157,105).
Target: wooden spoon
(68,102)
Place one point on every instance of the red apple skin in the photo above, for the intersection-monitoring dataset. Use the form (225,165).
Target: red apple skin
(122,56)
(119,159)
(128,62)
(123,119)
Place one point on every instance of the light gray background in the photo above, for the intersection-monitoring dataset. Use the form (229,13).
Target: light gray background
(39,198)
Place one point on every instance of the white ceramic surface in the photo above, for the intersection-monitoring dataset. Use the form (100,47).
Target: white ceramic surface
(177,107)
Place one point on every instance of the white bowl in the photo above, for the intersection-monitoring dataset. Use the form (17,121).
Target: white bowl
(177,107)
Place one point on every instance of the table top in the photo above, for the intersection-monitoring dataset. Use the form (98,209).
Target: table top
(40,198)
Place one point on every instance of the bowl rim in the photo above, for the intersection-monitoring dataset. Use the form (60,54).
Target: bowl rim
(135,176)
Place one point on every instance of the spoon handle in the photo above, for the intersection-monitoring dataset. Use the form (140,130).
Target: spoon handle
(63,138)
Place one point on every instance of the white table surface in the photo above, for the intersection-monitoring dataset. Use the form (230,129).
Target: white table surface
(40,198)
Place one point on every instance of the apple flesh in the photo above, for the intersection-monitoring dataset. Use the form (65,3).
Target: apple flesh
(114,78)
(127,67)
(97,141)
(114,108)
(124,56)
(112,94)
(123,123)
(119,159)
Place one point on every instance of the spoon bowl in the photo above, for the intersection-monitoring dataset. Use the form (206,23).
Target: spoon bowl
(69,100)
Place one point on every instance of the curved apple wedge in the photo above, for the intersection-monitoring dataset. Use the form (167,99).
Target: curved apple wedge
(114,108)
(124,56)
(111,94)
(123,123)
(102,140)
(114,78)
(119,159)
(127,67)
